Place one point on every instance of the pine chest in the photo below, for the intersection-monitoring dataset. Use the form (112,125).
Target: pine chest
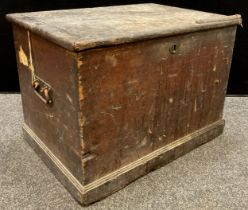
(111,93)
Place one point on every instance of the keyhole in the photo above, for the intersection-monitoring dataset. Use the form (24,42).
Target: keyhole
(173,49)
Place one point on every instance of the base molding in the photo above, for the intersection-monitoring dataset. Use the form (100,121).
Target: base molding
(120,178)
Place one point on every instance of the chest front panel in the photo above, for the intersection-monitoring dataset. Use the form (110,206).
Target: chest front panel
(139,97)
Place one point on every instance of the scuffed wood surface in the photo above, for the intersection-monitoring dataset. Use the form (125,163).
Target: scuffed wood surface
(80,29)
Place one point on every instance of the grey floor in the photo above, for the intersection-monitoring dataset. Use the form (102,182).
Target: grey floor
(213,176)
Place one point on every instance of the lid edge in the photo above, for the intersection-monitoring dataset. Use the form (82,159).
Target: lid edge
(80,45)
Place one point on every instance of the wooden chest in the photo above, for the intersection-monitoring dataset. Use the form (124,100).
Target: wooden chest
(111,93)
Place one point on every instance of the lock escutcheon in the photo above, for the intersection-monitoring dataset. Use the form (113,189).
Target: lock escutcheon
(174,48)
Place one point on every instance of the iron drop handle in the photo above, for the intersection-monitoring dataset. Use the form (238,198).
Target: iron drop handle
(42,90)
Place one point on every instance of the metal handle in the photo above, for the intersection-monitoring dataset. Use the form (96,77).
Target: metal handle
(42,90)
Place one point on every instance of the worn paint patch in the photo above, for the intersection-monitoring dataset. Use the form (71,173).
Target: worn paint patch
(111,59)
(23,57)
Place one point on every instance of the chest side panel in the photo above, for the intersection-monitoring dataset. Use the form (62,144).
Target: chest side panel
(139,97)
(56,124)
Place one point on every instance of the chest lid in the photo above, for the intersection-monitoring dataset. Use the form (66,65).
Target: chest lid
(80,29)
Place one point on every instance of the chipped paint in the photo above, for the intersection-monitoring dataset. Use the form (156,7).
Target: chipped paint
(83,146)
(68,97)
(82,121)
(31,66)
(79,63)
(116,107)
(172,75)
(94,147)
(65,127)
(125,126)
(81,92)
(171,100)
(111,94)
(23,57)
(143,142)
(49,116)
(195,106)
(137,97)
(217,81)
(214,69)
(132,81)
(107,113)
(227,61)
(149,131)
(111,59)
(88,156)
(80,89)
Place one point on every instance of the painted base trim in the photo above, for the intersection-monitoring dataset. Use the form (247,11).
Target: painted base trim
(120,178)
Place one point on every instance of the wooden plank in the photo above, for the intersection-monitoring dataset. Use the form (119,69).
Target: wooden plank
(120,178)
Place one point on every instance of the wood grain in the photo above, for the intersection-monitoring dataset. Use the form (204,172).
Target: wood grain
(139,97)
